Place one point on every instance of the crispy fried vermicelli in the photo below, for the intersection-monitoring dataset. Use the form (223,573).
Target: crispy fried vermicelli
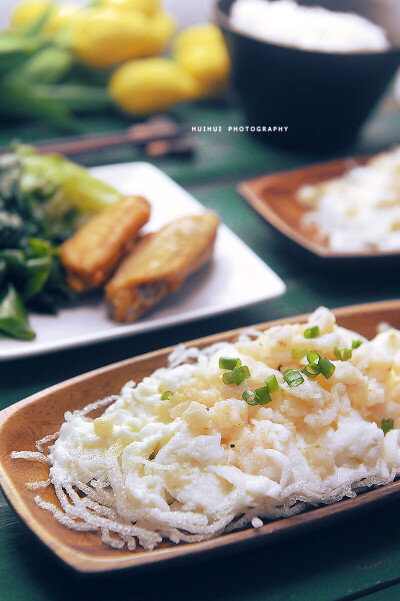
(183,456)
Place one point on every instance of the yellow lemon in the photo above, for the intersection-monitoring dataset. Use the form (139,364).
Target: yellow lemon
(198,35)
(28,11)
(208,63)
(162,28)
(106,36)
(148,86)
(61,16)
(149,7)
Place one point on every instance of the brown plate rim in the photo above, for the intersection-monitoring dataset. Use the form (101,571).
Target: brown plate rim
(246,190)
(87,562)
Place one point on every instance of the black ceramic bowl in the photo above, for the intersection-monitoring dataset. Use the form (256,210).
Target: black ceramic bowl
(322,97)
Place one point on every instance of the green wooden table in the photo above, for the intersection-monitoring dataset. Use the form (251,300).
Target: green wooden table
(352,559)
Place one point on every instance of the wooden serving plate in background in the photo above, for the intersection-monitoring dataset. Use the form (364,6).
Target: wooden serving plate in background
(274,198)
(41,414)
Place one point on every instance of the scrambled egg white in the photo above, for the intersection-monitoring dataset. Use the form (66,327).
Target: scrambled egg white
(361,210)
(203,461)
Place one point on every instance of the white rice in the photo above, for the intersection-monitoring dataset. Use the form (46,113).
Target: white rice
(309,28)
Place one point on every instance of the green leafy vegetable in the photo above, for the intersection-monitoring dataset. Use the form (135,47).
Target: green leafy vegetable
(11,229)
(15,49)
(3,272)
(47,66)
(43,199)
(23,100)
(13,319)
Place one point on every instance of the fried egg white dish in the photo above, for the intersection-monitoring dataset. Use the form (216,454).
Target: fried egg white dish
(359,211)
(298,415)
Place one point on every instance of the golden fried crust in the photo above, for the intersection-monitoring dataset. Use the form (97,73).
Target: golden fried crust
(159,264)
(92,253)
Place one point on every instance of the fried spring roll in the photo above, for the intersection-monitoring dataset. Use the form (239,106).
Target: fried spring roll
(93,252)
(159,264)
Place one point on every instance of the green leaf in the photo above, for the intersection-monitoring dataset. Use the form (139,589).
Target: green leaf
(88,194)
(3,271)
(40,248)
(21,99)
(37,274)
(12,229)
(77,97)
(47,66)
(37,267)
(10,43)
(80,190)
(15,50)
(13,319)
(15,261)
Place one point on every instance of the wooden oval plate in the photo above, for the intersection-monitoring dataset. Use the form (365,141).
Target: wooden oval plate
(274,198)
(41,414)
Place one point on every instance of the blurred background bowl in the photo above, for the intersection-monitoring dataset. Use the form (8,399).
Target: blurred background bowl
(323,97)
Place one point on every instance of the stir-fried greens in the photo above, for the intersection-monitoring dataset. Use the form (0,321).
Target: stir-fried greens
(43,199)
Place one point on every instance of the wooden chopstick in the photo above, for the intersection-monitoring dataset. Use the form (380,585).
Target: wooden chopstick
(141,134)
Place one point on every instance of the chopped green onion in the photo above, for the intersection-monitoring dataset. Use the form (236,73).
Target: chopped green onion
(236,376)
(347,354)
(262,395)
(249,397)
(311,370)
(247,394)
(229,362)
(313,357)
(233,377)
(272,383)
(356,343)
(327,368)
(293,377)
(299,352)
(245,371)
(311,332)
(165,395)
(342,354)
(337,351)
(386,425)
(226,378)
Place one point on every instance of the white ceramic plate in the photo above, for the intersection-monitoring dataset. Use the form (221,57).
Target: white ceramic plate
(227,283)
